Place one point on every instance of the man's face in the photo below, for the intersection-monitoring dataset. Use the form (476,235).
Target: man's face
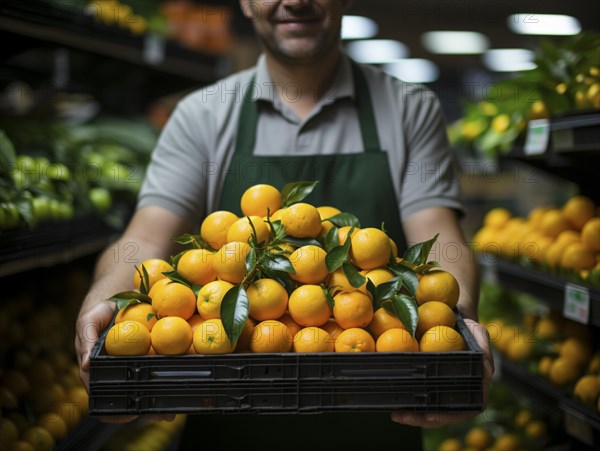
(296,30)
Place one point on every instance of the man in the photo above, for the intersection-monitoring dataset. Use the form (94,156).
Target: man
(305,112)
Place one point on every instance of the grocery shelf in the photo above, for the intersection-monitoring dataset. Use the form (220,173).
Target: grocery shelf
(572,150)
(548,288)
(52,243)
(580,422)
(48,23)
(90,435)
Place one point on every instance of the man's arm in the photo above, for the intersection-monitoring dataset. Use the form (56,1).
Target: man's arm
(450,251)
(147,236)
(454,256)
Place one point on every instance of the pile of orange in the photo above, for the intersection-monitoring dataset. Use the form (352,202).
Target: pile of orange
(565,239)
(317,310)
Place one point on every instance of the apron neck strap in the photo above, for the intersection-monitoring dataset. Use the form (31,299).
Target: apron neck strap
(246,132)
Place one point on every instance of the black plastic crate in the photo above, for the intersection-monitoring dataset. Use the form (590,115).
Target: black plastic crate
(289,382)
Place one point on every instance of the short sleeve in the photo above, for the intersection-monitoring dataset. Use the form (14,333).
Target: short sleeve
(174,175)
(431,174)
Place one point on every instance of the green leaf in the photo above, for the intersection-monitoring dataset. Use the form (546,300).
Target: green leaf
(150,316)
(174,276)
(418,253)
(194,240)
(338,255)
(389,289)
(278,263)
(234,312)
(25,209)
(8,157)
(144,279)
(126,298)
(329,298)
(344,220)
(174,260)
(277,228)
(296,192)
(355,278)
(300,242)
(196,289)
(409,278)
(372,290)
(405,309)
(282,277)
(251,261)
(331,239)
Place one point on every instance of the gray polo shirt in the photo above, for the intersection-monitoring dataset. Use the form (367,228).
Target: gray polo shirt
(191,159)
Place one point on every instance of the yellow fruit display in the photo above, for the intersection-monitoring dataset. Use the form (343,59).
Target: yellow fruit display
(478,438)
(587,389)
(371,248)
(577,256)
(308,306)
(441,339)
(137,312)
(563,371)
(171,336)
(438,286)
(576,350)
(496,218)
(230,261)
(288,273)
(258,200)
(128,338)
(382,321)
(451,444)
(301,220)
(309,264)
(210,297)
(241,230)
(197,266)
(434,313)
(355,340)
(215,226)
(312,339)
(396,340)
(267,299)
(210,338)
(578,210)
(174,299)
(590,234)
(271,336)
(155,267)
(352,309)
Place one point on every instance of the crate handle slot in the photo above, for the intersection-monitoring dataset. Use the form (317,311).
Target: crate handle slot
(380,372)
(181,374)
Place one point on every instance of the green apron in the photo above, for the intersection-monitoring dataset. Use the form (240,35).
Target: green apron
(358,183)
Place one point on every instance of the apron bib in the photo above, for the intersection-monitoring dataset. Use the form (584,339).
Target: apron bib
(358,183)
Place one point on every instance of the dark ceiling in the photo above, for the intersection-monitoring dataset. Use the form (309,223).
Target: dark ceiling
(407,20)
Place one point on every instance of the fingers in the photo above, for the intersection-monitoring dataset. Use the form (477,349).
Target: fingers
(482,337)
(431,419)
(88,327)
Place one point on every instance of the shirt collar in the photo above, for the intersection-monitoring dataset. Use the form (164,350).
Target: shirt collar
(342,86)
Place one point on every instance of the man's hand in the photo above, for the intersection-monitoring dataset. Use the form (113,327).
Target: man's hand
(90,324)
(439,419)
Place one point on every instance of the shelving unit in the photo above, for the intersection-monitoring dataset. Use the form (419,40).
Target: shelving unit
(545,286)
(580,422)
(47,23)
(118,69)
(567,147)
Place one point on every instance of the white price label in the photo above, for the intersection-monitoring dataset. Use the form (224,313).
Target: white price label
(538,135)
(577,303)
(154,49)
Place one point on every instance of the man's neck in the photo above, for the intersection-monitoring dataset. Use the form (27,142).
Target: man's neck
(301,86)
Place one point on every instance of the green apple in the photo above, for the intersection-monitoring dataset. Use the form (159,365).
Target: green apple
(100,198)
